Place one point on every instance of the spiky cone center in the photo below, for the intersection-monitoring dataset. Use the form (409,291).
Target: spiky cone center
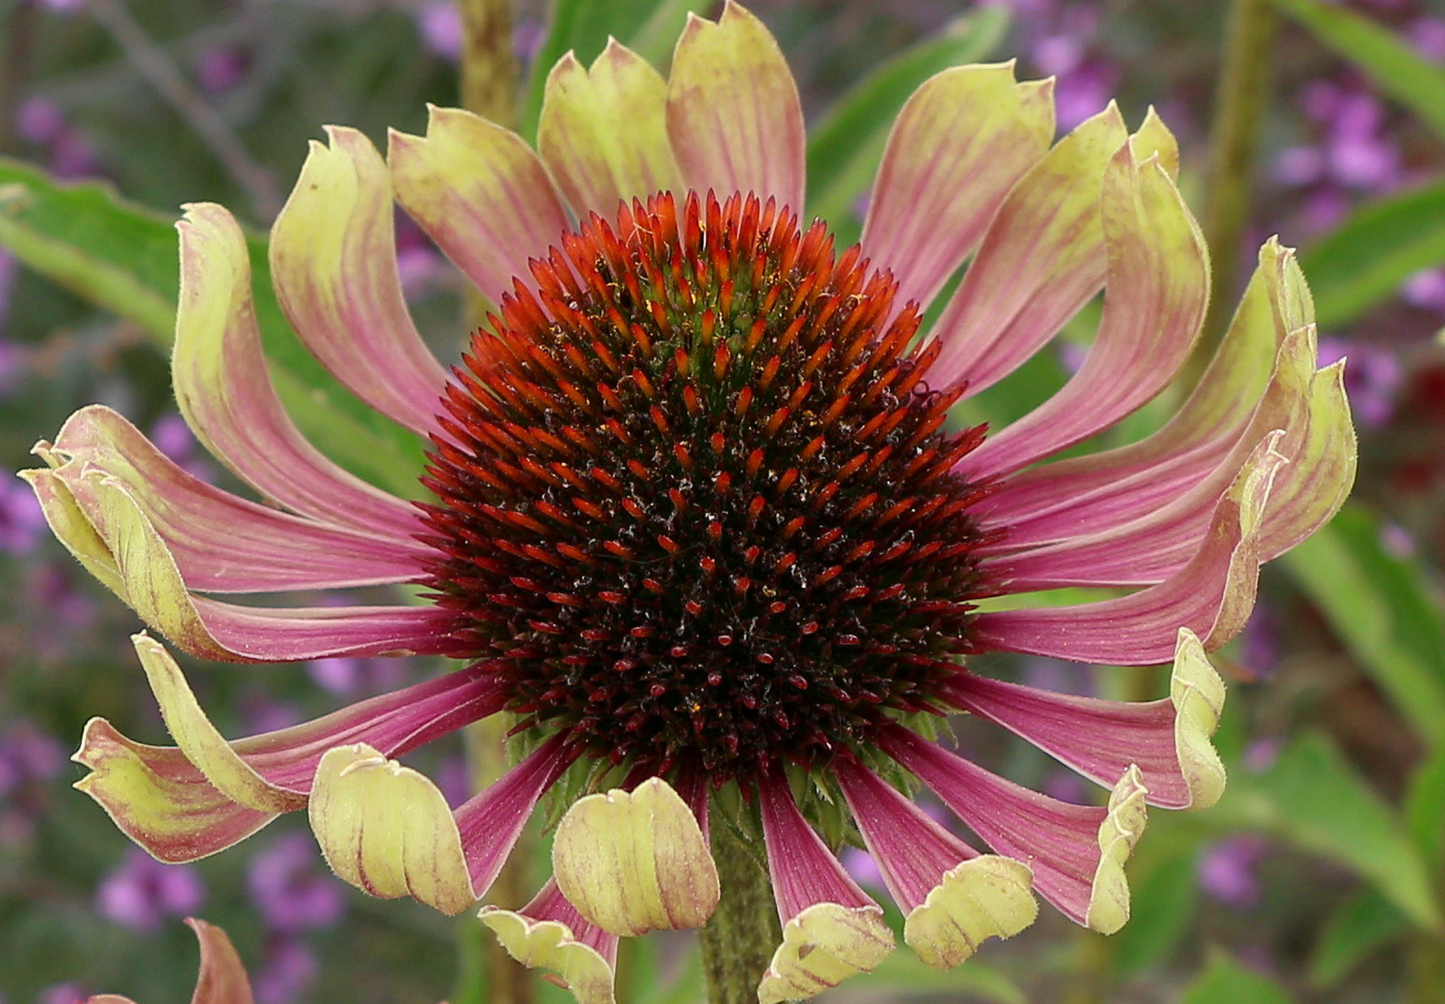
(698,505)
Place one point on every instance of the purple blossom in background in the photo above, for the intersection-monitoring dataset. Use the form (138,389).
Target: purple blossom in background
(62,993)
(21,521)
(68,153)
(1427,35)
(288,971)
(1227,871)
(143,891)
(289,889)
(1425,290)
(440,25)
(29,759)
(222,67)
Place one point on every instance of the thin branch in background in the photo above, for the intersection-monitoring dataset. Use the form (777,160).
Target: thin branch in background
(156,65)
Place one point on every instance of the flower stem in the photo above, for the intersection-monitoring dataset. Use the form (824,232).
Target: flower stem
(738,943)
(1239,109)
(489,63)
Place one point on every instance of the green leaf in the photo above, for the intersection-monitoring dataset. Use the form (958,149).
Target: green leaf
(1378,247)
(123,258)
(1315,800)
(583,27)
(1383,609)
(844,148)
(1387,59)
(1225,981)
(1425,810)
(1363,923)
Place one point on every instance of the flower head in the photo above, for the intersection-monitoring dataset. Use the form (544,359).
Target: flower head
(702,516)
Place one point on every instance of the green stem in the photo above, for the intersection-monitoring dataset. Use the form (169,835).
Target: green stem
(1239,109)
(489,63)
(739,941)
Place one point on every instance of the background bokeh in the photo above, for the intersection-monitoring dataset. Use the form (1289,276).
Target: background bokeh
(1319,878)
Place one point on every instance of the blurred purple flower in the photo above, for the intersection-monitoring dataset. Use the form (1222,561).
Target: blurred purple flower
(21,521)
(1226,871)
(440,24)
(62,993)
(40,120)
(28,756)
(143,891)
(1425,290)
(222,67)
(286,974)
(1427,35)
(288,889)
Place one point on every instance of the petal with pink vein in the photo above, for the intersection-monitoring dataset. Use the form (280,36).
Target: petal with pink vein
(962,140)
(733,110)
(225,393)
(603,133)
(480,193)
(333,263)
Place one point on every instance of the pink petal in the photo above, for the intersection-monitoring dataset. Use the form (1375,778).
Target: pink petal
(912,851)
(1156,294)
(804,871)
(1211,595)
(1058,840)
(480,193)
(491,822)
(226,396)
(300,633)
(1041,259)
(733,110)
(959,144)
(221,542)
(333,263)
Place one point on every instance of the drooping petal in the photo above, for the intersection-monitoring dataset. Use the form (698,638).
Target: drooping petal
(733,110)
(158,798)
(273,772)
(163,801)
(603,132)
(549,933)
(1114,486)
(387,830)
(221,542)
(1212,595)
(480,192)
(222,977)
(1041,259)
(98,520)
(1157,290)
(953,897)
(831,929)
(1168,740)
(635,861)
(333,263)
(1076,852)
(962,140)
(225,393)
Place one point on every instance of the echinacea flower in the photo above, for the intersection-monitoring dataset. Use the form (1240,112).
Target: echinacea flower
(700,515)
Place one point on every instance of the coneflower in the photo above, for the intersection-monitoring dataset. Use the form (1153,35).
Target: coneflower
(702,519)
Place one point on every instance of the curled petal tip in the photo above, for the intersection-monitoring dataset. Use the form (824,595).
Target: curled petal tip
(823,946)
(633,862)
(1108,908)
(387,830)
(1197,692)
(989,896)
(549,944)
